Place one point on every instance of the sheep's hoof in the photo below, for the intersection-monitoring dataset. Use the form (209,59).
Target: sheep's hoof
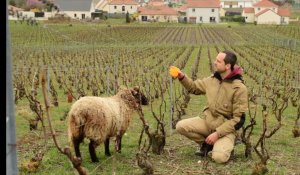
(95,160)
(108,154)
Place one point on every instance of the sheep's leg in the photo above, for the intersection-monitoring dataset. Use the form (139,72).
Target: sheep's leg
(118,143)
(107,152)
(92,147)
(76,143)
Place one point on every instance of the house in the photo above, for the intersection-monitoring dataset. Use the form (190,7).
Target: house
(248,13)
(14,11)
(102,5)
(157,3)
(122,7)
(237,3)
(266,12)
(203,11)
(77,9)
(157,11)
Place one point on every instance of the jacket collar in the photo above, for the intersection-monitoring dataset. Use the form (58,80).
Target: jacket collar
(235,74)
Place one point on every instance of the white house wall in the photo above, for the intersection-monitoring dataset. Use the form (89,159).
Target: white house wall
(245,4)
(28,14)
(49,14)
(106,8)
(249,17)
(240,4)
(222,12)
(268,18)
(205,13)
(78,14)
(285,20)
(161,18)
(130,8)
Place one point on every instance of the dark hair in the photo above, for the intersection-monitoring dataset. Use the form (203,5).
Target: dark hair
(230,58)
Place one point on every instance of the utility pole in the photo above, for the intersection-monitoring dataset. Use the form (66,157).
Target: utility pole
(11,154)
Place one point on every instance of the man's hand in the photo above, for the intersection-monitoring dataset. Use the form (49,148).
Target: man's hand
(212,138)
(175,72)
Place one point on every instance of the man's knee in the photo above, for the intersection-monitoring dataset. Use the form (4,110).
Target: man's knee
(220,157)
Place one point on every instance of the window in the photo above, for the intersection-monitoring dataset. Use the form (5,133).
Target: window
(75,15)
(131,7)
(193,10)
(200,18)
(82,16)
(123,8)
(282,20)
(212,19)
(212,10)
(144,18)
(115,7)
(258,8)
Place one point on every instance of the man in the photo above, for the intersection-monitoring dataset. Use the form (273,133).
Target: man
(224,113)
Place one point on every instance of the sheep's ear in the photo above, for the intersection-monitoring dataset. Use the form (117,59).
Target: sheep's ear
(136,88)
(134,92)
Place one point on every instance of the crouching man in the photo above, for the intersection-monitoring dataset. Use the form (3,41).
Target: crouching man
(224,113)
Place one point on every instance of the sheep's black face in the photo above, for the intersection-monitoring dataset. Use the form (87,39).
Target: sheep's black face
(144,99)
(140,97)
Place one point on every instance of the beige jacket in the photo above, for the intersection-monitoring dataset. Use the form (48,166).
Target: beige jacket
(227,101)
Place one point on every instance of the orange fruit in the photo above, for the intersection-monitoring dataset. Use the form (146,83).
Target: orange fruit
(174,71)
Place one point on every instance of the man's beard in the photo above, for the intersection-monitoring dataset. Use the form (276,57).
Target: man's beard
(220,71)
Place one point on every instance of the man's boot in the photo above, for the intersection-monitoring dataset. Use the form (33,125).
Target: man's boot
(204,149)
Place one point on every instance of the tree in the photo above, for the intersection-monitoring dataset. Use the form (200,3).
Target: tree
(127,17)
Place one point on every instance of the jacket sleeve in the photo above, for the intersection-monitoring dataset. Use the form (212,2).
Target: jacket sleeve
(240,106)
(196,87)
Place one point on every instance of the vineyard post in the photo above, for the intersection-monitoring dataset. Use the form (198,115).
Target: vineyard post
(48,80)
(11,153)
(297,77)
(116,67)
(107,80)
(171,110)
(261,87)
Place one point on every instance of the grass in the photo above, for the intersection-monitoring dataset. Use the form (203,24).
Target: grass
(178,156)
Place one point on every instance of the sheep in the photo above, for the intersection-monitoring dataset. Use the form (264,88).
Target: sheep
(99,118)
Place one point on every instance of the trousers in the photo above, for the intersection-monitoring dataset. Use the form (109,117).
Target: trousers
(196,129)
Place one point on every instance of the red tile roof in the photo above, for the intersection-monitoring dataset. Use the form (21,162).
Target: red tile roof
(182,8)
(263,11)
(157,10)
(249,10)
(265,3)
(123,2)
(283,12)
(15,8)
(203,3)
